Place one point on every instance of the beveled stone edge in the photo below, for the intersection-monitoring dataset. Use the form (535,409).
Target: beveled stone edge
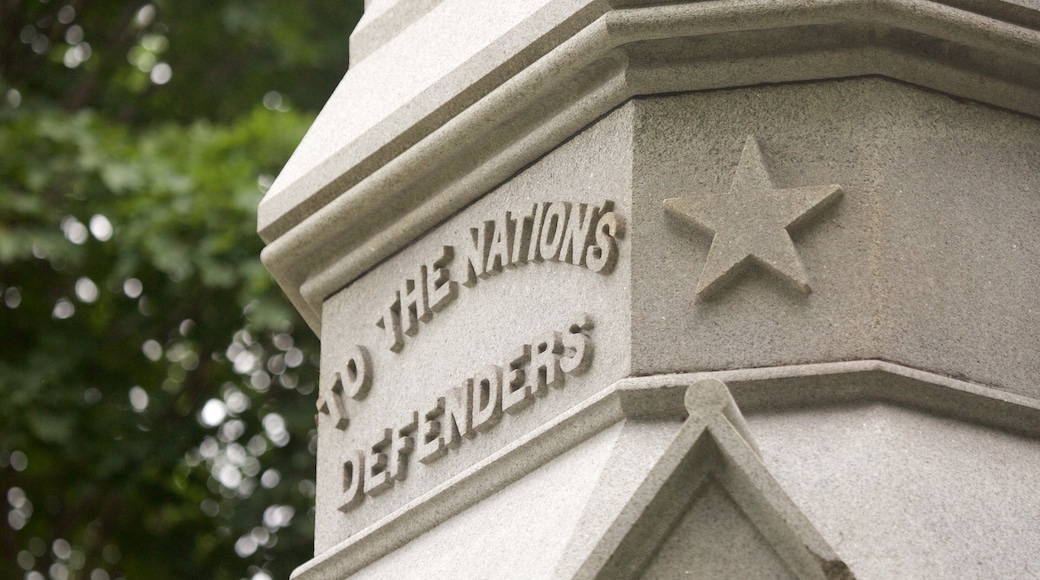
(661,397)
(376,31)
(588,75)
(285,205)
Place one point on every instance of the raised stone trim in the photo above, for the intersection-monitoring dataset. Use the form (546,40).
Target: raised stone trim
(662,397)
(369,199)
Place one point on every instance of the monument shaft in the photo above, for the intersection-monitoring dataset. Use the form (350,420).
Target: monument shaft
(722,289)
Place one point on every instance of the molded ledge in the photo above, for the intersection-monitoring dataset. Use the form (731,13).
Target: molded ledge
(661,398)
(445,149)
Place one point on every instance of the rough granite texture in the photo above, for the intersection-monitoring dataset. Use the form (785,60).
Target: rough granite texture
(546,504)
(716,540)
(909,495)
(640,499)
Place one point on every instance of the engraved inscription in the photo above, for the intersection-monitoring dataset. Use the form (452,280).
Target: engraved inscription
(575,233)
(353,467)
(440,288)
(351,383)
(580,234)
(466,410)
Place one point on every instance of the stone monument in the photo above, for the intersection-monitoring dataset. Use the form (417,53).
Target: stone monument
(715,289)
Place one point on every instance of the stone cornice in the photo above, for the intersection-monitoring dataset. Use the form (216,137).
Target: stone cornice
(448,147)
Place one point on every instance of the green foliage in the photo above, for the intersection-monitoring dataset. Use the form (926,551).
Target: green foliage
(158,389)
(223,56)
(128,266)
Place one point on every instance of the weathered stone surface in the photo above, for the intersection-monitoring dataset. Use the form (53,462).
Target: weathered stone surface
(716,540)
(522,521)
(489,319)
(523,246)
(928,260)
(900,493)
(708,488)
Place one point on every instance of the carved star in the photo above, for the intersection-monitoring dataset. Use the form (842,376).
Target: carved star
(750,224)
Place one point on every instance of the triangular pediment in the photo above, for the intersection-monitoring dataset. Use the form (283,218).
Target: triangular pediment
(714,538)
(707,508)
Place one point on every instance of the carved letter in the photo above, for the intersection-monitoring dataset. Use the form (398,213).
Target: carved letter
(431,442)
(545,363)
(440,288)
(415,305)
(522,235)
(356,378)
(391,323)
(458,414)
(536,233)
(498,253)
(401,447)
(352,383)
(487,398)
(377,480)
(353,481)
(577,347)
(603,256)
(476,254)
(552,230)
(516,388)
(338,410)
(578,235)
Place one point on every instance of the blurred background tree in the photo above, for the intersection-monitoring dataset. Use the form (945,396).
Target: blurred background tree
(156,389)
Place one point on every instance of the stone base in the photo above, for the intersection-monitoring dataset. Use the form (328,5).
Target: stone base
(861,468)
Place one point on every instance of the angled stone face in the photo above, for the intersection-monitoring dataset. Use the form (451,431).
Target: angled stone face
(523,521)
(887,485)
(928,259)
(598,481)
(715,539)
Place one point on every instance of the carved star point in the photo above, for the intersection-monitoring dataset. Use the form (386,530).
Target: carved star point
(751,223)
